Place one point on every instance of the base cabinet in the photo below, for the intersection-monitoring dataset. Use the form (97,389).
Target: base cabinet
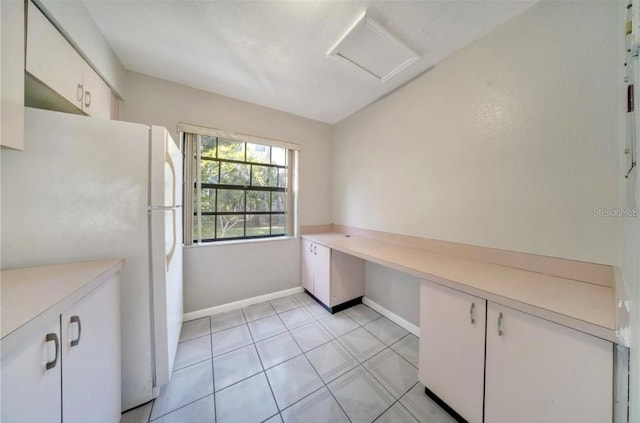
(332,277)
(527,369)
(31,377)
(452,339)
(91,357)
(67,369)
(539,371)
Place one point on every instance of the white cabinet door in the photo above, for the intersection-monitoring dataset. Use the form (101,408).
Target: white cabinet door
(307,265)
(97,95)
(30,391)
(12,74)
(91,357)
(322,273)
(452,339)
(541,372)
(51,59)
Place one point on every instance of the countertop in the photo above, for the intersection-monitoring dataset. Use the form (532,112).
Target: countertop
(581,305)
(28,293)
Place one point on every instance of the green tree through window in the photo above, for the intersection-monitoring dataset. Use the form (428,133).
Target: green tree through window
(239,189)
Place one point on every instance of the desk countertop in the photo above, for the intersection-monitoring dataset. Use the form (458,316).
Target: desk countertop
(581,305)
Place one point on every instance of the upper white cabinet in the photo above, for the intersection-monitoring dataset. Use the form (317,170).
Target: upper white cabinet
(96,101)
(452,339)
(539,371)
(334,278)
(12,74)
(53,61)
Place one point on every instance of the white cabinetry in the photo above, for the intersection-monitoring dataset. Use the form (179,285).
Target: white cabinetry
(528,369)
(12,74)
(539,371)
(31,377)
(97,94)
(307,265)
(334,278)
(66,367)
(452,339)
(55,63)
(91,357)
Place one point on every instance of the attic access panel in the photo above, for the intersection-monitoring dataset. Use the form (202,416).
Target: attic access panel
(370,47)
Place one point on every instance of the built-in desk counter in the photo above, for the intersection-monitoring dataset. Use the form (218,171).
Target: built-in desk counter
(584,306)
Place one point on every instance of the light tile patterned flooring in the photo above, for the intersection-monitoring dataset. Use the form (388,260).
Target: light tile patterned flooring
(290,360)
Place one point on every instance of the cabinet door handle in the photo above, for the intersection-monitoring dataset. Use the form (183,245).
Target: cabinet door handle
(315,250)
(311,248)
(87,99)
(76,319)
(49,338)
(472,313)
(79,92)
(500,324)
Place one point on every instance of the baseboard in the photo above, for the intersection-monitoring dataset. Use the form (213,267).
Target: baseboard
(392,316)
(239,304)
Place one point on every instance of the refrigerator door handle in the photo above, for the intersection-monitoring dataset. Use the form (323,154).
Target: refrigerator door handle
(173,174)
(169,257)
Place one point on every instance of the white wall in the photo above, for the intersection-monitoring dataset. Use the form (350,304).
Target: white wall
(78,25)
(509,143)
(393,290)
(221,273)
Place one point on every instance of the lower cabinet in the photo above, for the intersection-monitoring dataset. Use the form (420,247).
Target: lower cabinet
(539,371)
(452,339)
(31,377)
(476,354)
(69,368)
(334,278)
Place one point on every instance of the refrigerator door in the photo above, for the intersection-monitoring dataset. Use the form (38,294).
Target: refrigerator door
(166,250)
(79,191)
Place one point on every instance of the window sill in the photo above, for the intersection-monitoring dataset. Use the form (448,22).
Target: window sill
(241,241)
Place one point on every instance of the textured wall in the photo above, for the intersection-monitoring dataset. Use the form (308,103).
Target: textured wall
(509,143)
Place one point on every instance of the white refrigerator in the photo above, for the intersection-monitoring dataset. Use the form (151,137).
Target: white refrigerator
(87,188)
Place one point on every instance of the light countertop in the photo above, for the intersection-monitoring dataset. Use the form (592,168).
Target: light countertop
(28,293)
(581,305)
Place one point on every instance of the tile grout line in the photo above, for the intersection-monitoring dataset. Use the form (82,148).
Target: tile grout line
(324,385)
(263,369)
(414,416)
(316,320)
(197,399)
(358,365)
(213,374)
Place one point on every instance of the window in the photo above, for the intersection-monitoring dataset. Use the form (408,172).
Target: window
(240,187)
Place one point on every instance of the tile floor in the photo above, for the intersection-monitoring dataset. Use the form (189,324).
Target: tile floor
(289,360)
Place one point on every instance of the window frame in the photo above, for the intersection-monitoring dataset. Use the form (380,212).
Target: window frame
(193,213)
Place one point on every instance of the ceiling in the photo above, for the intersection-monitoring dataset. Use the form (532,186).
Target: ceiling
(274,53)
